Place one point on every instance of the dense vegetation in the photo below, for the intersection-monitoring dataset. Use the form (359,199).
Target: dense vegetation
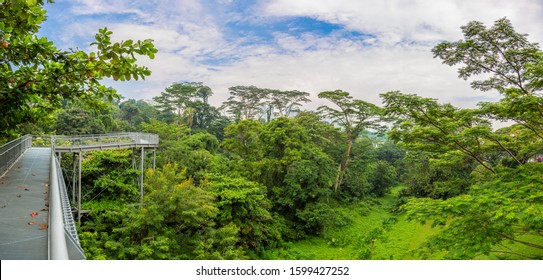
(260,178)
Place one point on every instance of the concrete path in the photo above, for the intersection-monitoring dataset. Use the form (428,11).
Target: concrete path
(24,206)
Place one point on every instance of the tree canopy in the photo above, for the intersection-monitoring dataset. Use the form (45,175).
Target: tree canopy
(261,178)
(36,77)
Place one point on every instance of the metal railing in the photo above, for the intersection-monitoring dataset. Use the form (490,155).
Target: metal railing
(63,239)
(11,151)
(104,140)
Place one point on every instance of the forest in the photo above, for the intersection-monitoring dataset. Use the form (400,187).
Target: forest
(260,177)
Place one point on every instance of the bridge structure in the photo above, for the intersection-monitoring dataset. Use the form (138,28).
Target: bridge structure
(36,215)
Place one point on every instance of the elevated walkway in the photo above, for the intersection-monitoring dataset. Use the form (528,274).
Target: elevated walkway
(36,220)
(104,142)
(24,207)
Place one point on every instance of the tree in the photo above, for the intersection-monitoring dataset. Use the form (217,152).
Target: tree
(382,178)
(297,174)
(242,139)
(501,210)
(245,204)
(422,123)
(283,103)
(321,133)
(438,176)
(499,51)
(509,62)
(245,102)
(490,217)
(78,121)
(183,101)
(36,77)
(354,116)
(130,112)
(204,116)
(175,221)
(108,176)
(288,101)
(175,99)
(204,92)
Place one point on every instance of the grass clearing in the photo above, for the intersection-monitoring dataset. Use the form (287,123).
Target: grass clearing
(367,229)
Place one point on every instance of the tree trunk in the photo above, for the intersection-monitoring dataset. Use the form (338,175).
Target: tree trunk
(342,168)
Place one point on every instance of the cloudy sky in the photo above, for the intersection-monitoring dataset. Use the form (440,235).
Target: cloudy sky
(365,47)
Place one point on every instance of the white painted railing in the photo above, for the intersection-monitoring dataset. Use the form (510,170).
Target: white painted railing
(63,240)
(58,249)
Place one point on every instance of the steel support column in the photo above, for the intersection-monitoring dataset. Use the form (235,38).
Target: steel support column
(73,178)
(142,157)
(79,190)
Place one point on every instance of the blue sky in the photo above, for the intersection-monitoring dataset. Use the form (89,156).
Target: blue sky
(364,47)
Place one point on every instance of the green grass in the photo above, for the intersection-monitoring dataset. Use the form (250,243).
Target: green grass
(371,230)
(367,230)
(403,240)
(523,251)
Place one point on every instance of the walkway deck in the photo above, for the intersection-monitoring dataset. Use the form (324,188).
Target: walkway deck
(23,207)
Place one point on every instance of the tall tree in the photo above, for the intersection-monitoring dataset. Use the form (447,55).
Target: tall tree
(424,124)
(36,77)
(508,63)
(287,102)
(180,97)
(354,116)
(175,99)
(503,208)
(498,52)
(245,102)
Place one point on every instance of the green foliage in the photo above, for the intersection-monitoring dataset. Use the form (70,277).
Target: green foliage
(284,103)
(169,135)
(354,116)
(136,112)
(489,216)
(262,104)
(443,176)
(108,175)
(425,125)
(296,173)
(498,51)
(365,229)
(179,99)
(245,102)
(510,64)
(242,139)
(36,77)
(244,203)
(322,134)
(78,121)
(241,190)
(382,178)
(176,221)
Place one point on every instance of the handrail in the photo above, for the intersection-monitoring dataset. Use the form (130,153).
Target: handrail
(62,230)
(11,151)
(58,250)
(112,139)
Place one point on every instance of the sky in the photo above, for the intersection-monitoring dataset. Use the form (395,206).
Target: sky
(365,47)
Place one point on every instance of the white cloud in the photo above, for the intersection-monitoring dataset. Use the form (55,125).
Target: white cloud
(397,56)
(426,20)
(364,72)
